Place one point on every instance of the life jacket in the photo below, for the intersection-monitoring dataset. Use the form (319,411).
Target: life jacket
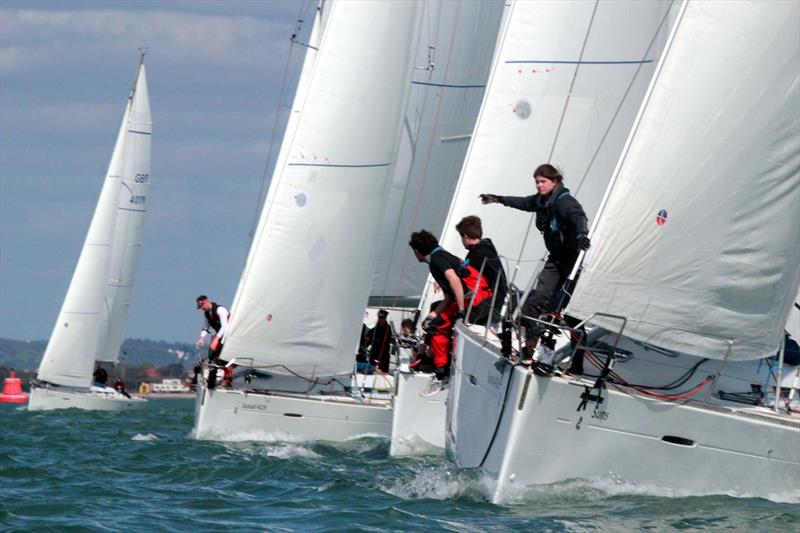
(473,285)
(469,279)
(546,218)
(213,317)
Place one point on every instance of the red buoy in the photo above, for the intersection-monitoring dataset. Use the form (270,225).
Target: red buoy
(12,390)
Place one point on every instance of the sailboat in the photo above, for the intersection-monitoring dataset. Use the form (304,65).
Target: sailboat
(685,292)
(575,99)
(91,323)
(297,311)
(453,56)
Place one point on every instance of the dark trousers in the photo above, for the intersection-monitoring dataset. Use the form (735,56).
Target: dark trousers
(214,357)
(545,295)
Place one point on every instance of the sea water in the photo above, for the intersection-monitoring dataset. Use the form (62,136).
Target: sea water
(142,471)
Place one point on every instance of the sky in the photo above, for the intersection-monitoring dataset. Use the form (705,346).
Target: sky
(215,72)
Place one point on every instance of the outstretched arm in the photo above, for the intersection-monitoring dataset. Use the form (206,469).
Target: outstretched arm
(524,203)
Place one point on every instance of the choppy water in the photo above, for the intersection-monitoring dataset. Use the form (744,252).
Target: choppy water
(141,471)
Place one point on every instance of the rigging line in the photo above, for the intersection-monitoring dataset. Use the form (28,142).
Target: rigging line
(273,133)
(622,100)
(434,131)
(561,120)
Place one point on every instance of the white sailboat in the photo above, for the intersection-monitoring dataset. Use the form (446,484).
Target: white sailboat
(91,323)
(575,100)
(452,65)
(693,269)
(297,310)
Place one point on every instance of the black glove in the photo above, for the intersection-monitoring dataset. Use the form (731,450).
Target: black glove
(459,315)
(489,198)
(583,242)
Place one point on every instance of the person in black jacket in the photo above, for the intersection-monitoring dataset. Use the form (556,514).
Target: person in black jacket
(482,255)
(561,220)
(381,345)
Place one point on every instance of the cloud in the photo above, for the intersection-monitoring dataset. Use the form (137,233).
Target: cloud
(36,39)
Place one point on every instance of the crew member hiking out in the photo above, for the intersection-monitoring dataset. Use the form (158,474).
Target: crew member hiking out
(457,281)
(216,320)
(482,256)
(561,220)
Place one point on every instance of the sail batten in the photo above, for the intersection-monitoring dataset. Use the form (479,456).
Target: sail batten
(698,244)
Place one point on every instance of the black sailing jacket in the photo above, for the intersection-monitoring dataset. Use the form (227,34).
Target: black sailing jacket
(559,217)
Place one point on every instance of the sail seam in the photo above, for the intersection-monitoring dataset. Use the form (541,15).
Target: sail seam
(332,165)
(578,62)
(448,85)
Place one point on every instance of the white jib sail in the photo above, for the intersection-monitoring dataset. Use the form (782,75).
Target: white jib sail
(301,296)
(131,209)
(453,56)
(81,330)
(698,243)
(565,89)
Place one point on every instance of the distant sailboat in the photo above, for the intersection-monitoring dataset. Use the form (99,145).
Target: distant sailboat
(297,311)
(692,272)
(91,323)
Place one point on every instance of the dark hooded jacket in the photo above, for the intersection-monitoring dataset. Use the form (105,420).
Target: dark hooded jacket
(559,217)
(484,255)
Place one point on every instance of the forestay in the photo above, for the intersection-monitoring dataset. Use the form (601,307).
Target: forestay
(80,335)
(301,296)
(698,244)
(453,55)
(565,89)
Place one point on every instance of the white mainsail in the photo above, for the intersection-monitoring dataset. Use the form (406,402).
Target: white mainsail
(565,88)
(698,242)
(81,331)
(302,292)
(131,207)
(453,57)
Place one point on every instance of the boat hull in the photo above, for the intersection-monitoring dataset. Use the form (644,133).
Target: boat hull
(46,399)
(418,417)
(523,430)
(238,415)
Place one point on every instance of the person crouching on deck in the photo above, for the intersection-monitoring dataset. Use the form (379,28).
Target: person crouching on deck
(458,281)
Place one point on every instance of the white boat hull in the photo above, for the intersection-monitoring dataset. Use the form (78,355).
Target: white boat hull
(418,417)
(46,399)
(528,431)
(238,415)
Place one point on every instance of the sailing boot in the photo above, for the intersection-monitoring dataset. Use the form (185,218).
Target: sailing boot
(546,355)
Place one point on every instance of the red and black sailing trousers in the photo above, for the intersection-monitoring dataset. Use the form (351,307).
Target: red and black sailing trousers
(441,327)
